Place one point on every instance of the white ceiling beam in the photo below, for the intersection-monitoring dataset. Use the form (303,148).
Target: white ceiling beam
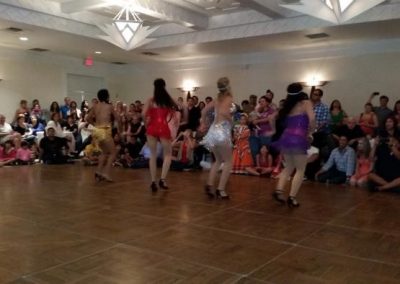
(314,8)
(378,13)
(257,6)
(153,8)
(76,6)
(54,9)
(359,7)
(172,13)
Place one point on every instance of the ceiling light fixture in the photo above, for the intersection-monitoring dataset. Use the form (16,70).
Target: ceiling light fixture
(23,38)
(334,11)
(127,23)
(98,52)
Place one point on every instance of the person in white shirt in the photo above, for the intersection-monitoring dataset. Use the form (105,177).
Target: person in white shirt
(7,133)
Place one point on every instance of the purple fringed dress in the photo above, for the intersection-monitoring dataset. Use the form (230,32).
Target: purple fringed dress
(294,139)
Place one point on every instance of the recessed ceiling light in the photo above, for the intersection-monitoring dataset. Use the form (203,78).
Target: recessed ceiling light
(23,38)
(98,52)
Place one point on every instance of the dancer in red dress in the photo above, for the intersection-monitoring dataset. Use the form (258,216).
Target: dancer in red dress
(157,111)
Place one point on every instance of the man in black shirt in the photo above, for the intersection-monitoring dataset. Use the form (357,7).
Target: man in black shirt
(53,149)
(351,130)
(194,115)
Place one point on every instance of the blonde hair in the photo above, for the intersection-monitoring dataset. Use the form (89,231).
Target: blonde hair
(224,88)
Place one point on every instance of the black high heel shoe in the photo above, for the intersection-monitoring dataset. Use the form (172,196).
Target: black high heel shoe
(221,194)
(208,191)
(278,196)
(153,187)
(292,202)
(163,184)
(98,177)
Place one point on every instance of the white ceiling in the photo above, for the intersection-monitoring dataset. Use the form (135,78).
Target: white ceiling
(253,26)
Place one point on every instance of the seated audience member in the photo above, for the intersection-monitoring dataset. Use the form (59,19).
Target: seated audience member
(337,115)
(264,162)
(92,153)
(65,108)
(390,128)
(55,123)
(184,156)
(53,149)
(21,126)
(350,130)
(74,111)
(137,130)
(72,126)
(7,133)
(130,151)
(396,113)
(24,155)
(364,164)
(368,121)
(36,125)
(242,159)
(24,110)
(382,111)
(340,166)
(7,154)
(386,174)
(37,112)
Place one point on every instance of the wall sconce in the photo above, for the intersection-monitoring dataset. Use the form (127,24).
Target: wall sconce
(314,81)
(188,86)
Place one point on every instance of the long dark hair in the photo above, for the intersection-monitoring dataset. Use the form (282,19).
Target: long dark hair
(295,95)
(161,96)
(332,104)
(54,107)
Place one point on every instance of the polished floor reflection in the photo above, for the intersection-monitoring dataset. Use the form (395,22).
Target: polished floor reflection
(57,226)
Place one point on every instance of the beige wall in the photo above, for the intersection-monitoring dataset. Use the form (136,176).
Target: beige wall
(352,79)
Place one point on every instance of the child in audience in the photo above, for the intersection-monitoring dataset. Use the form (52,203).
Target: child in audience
(264,161)
(24,155)
(242,159)
(7,154)
(364,164)
(92,153)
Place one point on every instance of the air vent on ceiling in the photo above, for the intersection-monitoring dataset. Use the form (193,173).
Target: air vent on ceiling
(118,63)
(14,29)
(38,49)
(149,53)
(290,1)
(319,35)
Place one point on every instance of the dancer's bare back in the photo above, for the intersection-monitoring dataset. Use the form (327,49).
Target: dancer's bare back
(102,114)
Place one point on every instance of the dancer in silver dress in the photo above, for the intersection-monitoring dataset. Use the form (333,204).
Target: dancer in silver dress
(219,139)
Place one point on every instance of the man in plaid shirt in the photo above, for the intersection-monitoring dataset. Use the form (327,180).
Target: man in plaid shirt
(322,117)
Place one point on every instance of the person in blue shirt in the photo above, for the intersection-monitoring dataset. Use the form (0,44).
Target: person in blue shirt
(340,166)
(65,108)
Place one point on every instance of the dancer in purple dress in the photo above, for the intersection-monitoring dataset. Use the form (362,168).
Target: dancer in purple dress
(297,121)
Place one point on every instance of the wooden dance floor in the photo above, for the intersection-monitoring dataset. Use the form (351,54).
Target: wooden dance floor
(57,226)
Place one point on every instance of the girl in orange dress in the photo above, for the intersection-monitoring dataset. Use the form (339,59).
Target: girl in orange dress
(242,159)
(364,164)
